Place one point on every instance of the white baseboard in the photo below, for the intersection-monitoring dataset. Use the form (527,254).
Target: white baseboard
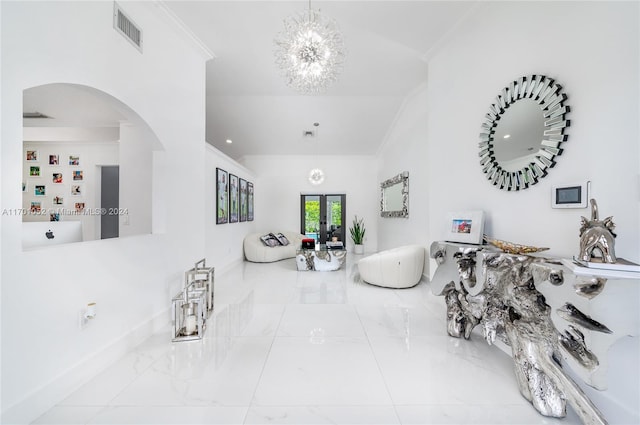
(59,388)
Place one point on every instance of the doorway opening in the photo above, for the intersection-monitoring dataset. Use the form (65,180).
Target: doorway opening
(322,217)
(110,202)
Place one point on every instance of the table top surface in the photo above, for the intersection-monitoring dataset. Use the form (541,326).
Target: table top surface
(322,247)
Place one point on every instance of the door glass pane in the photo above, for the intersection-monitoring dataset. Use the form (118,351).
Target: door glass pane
(312,217)
(334,218)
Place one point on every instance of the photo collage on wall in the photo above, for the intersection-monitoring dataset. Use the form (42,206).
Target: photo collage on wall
(54,182)
(234,198)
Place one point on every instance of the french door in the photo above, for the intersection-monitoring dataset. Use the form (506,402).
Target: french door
(322,217)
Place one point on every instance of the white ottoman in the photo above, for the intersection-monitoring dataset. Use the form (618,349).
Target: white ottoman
(394,268)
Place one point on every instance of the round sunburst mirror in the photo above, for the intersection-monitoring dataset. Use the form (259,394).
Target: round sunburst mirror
(522,132)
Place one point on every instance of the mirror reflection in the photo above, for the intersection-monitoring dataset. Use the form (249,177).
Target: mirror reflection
(518,135)
(394,198)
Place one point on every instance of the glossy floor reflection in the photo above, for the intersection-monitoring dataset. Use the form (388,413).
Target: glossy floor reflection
(289,347)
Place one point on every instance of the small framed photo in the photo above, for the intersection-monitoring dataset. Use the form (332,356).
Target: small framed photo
(36,206)
(57,178)
(40,190)
(76,190)
(54,159)
(79,206)
(58,200)
(77,175)
(465,227)
(74,160)
(54,216)
(34,171)
(32,156)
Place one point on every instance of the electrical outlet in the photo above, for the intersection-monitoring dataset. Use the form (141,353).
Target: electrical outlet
(82,319)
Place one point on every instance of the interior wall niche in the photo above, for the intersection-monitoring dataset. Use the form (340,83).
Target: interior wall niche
(70,134)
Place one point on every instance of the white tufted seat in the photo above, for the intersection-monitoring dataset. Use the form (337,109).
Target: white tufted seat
(257,252)
(394,268)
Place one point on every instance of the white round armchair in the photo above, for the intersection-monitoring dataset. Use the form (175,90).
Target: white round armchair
(394,268)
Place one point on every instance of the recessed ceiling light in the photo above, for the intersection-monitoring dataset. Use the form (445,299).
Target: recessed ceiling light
(506,136)
(229,141)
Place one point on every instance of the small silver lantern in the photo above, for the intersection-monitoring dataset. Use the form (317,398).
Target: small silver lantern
(191,307)
(202,278)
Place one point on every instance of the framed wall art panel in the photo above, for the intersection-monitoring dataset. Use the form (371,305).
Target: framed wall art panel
(222,196)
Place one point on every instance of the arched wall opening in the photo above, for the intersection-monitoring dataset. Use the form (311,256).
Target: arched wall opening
(88,166)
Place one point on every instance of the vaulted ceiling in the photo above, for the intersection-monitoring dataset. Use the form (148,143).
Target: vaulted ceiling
(388,44)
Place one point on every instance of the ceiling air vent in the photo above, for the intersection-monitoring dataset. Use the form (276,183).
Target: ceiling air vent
(125,26)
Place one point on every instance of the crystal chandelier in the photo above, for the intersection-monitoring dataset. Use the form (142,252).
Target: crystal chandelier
(310,51)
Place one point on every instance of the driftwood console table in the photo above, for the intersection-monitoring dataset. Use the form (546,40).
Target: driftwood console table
(548,313)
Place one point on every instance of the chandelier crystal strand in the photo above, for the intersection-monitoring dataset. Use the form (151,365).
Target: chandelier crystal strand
(310,51)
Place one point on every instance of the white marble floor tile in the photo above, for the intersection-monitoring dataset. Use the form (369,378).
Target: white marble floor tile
(174,415)
(320,320)
(352,415)
(398,320)
(245,319)
(335,371)
(432,370)
(214,371)
(497,414)
(68,415)
(109,383)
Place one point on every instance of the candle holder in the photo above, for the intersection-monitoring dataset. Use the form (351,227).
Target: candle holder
(202,277)
(188,315)
(191,307)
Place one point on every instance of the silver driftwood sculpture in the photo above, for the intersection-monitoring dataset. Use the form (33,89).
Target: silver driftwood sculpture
(597,235)
(497,291)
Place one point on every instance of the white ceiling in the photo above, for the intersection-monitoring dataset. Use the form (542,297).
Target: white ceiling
(388,44)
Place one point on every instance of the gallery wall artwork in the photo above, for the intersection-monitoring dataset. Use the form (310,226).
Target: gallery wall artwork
(234,198)
(50,178)
(243,200)
(222,196)
(249,201)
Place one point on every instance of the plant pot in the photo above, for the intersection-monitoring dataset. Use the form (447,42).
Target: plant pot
(358,249)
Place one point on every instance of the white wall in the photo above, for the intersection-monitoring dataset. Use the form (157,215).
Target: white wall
(503,41)
(405,149)
(224,241)
(592,50)
(137,143)
(131,279)
(281,180)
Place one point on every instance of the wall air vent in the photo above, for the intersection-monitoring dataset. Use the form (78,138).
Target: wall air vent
(125,26)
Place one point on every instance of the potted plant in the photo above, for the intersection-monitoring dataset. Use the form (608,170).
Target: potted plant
(357,231)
